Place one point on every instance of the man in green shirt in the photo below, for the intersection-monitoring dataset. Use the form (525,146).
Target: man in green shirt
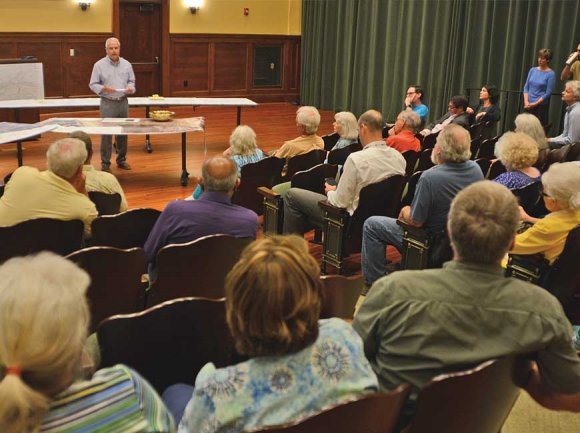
(418,324)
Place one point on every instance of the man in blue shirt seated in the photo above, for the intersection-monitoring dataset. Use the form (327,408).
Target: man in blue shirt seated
(571,132)
(212,213)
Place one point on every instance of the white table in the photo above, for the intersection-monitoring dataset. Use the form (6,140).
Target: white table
(132,126)
(147,102)
(16,132)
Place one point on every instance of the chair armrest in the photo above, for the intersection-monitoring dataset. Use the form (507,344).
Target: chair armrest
(417,231)
(268,193)
(531,259)
(327,207)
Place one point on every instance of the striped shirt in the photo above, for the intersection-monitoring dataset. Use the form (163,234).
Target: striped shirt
(116,399)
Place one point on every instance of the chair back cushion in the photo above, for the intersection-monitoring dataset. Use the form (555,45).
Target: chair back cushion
(169,343)
(313,179)
(129,229)
(107,204)
(267,172)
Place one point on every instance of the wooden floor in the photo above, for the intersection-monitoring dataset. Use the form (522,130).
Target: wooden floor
(155,177)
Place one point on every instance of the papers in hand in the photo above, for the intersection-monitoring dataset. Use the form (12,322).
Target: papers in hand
(121,90)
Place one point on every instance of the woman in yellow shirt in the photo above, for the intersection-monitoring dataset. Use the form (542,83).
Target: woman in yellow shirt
(562,198)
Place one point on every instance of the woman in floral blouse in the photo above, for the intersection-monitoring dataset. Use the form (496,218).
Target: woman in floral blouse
(298,364)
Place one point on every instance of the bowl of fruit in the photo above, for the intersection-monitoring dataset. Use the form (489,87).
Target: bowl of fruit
(161,115)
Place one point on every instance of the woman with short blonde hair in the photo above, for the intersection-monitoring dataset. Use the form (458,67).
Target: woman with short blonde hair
(518,152)
(298,364)
(43,327)
(530,125)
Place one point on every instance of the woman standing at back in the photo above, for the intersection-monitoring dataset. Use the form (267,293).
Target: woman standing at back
(539,86)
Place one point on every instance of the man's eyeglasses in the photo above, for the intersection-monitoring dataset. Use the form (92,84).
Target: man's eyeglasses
(545,194)
(410,93)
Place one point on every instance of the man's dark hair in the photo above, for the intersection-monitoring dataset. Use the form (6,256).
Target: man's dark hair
(419,90)
(460,101)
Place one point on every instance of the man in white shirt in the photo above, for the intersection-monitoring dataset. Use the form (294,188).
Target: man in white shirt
(374,163)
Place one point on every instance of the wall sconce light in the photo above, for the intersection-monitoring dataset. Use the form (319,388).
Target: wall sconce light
(84,4)
(193,5)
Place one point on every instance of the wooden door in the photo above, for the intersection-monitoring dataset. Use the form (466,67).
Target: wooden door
(140,33)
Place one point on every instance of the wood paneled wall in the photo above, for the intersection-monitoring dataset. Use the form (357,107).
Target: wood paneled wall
(199,65)
(222,66)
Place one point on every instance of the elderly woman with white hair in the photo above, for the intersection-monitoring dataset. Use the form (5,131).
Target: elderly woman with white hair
(518,152)
(530,125)
(346,126)
(43,328)
(562,198)
(243,150)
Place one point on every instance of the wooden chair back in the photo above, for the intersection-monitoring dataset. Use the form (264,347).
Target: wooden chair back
(107,204)
(340,295)
(425,162)
(330,140)
(126,230)
(475,401)
(529,195)
(343,233)
(197,268)
(484,164)
(487,148)
(411,158)
(313,178)
(371,413)
(303,162)
(542,157)
(169,343)
(495,169)
(339,156)
(474,147)
(40,234)
(411,187)
(564,280)
(557,155)
(116,286)
(429,141)
(574,152)
(2,190)
(267,172)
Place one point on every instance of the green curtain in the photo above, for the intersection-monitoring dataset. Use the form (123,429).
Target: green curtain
(361,54)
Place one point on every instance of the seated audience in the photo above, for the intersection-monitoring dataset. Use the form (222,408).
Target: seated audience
(213,213)
(518,152)
(456,115)
(414,102)
(530,125)
(99,181)
(345,125)
(488,109)
(307,122)
(562,198)
(43,326)
(403,137)
(57,193)
(374,163)
(571,132)
(435,190)
(418,324)
(298,364)
(243,150)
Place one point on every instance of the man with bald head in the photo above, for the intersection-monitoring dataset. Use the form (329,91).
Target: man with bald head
(374,163)
(212,213)
(435,190)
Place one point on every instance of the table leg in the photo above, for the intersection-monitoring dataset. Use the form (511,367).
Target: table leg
(147,140)
(239,119)
(19,152)
(184,173)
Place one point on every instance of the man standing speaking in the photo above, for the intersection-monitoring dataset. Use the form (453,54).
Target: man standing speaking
(113,79)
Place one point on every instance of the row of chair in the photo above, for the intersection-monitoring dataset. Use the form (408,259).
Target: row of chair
(169,344)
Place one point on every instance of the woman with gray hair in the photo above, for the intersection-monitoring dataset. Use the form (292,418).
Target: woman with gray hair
(243,150)
(562,198)
(518,152)
(43,327)
(530,125)
(346,126)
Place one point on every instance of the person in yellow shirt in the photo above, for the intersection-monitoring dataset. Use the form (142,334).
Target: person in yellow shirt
(562,198)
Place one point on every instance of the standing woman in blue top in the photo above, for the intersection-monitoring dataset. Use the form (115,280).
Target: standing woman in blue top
(539,86)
